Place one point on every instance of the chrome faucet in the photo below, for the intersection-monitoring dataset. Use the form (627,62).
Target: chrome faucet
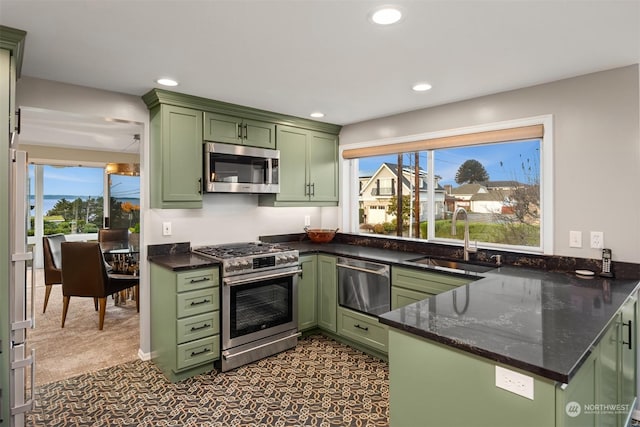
(467,249)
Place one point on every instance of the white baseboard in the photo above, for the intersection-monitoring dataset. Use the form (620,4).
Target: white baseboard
(144,356)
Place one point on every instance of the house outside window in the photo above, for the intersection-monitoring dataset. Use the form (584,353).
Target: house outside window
(499,184)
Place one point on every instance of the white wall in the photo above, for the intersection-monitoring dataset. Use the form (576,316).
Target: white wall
(596,143)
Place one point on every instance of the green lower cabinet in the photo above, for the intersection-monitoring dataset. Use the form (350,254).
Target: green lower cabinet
(411,285)
(308,293)
(433,384)
(327,293)
(185,321)
(363,329)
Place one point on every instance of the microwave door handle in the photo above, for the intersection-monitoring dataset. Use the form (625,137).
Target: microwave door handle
(269,172)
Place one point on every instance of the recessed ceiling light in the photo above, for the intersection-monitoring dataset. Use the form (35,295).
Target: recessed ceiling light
(317,115)
(421,87)
(386,15)
(167,82)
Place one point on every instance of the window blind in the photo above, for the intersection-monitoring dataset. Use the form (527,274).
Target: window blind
(488,137)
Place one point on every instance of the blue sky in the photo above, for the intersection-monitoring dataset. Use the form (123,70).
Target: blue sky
(501,161)
(84,181)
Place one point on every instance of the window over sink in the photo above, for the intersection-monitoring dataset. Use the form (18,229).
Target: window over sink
(500,174)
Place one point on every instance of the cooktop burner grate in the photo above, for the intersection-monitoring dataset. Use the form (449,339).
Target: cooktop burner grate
(235,250)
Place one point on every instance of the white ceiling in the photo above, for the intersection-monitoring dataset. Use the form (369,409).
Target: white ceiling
(300,56)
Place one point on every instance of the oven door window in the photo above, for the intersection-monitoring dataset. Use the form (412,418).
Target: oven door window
(259,306)
(238,169)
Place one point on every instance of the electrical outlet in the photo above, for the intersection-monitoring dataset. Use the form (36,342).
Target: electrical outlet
(307,220)
(597,240)
(166,229)
(575,239)
(514,382)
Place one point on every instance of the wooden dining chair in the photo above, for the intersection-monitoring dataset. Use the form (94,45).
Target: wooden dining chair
(84,275)
(52,264)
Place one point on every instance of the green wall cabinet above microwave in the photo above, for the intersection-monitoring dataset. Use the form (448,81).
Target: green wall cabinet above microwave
(236,130)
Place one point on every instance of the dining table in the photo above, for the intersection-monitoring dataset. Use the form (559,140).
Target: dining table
(123,258)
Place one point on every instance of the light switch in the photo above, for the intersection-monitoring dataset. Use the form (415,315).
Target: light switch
(575,239)
(166,229)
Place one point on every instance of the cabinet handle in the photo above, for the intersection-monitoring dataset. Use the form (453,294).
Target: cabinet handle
(630,335)
(204,301)
(199,185)
(19,124)
(197,353)
(202,279)
(364,328)
(239,130)
(197,328)
(313,189)
(307,189)
(246,132)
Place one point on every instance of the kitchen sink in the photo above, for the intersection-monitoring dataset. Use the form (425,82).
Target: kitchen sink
(463,267)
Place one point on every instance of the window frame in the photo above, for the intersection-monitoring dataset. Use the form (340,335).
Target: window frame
(348,206)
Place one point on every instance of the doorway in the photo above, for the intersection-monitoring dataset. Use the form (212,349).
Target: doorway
(89,143)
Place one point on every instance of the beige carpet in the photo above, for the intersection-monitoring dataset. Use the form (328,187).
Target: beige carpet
(80,347)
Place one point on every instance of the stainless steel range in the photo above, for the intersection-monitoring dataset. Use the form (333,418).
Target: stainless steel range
(259,294)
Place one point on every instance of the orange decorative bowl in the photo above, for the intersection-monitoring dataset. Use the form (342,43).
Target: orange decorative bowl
(320,235)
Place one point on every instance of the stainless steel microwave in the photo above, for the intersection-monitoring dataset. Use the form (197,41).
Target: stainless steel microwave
(232,168)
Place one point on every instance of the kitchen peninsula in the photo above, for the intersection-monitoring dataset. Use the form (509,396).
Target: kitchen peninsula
(568,339)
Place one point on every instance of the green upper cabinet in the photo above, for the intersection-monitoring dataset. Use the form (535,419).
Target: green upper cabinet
(236,130)
(308,168)
(181,123)
(176,157)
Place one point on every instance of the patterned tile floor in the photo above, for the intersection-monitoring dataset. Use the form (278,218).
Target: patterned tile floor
(319,383)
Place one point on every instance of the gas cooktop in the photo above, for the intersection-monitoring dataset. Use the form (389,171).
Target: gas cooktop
(235,250)
(250,257)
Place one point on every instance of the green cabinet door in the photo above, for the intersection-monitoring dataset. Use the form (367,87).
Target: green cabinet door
(327,293)
(308,168)
(292,143)
(236,130)
(222,128)
(307,293)
(259,134)
(176,157)
(323,167)
(628,368)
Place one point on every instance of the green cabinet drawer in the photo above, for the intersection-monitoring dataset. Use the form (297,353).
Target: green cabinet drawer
(425,281)
(198,352)
(363,329)
(197,279)
(196,327)
(198,302)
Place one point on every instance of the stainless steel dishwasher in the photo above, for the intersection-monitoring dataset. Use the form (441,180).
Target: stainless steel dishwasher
(363,286)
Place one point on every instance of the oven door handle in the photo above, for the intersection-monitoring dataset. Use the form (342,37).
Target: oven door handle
(231,282)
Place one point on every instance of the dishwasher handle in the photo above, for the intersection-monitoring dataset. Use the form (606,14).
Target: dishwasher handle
(382,271)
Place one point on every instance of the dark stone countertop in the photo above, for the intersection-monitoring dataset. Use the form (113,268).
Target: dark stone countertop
(542,322)
(178,257)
